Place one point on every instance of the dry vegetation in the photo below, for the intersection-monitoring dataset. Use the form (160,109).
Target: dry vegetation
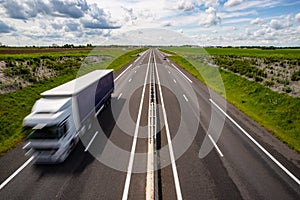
(279,75)
(17,72)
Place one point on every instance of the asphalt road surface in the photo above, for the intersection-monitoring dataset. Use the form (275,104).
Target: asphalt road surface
(164,136)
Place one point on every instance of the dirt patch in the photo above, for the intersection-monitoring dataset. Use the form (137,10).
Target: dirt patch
(40,50)
(275,74)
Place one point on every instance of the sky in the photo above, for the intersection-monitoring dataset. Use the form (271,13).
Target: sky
(150,22)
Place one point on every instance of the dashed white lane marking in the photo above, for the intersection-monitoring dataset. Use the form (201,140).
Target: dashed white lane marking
(16,173)
(97,113)
(130,80)
(88,146)
(258,145)
(174,80)
(119,96)
(186,99)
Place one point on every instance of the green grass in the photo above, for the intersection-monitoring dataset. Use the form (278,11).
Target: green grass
(278,113)
(16,105)
(278,53)
(124,59)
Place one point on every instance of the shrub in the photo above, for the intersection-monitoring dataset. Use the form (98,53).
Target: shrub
(269,83)
(295,76)
(258,79)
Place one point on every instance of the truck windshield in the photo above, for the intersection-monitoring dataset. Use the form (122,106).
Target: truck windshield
(47,133)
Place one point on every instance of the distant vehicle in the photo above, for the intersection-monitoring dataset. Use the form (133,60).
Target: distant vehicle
(165,58)
(63,113)
(137,55)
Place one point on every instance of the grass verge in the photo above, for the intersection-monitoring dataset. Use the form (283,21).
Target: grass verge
(278,113)
(16,105)
(124,59)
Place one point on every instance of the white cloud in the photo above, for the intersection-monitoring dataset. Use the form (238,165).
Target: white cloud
(247,31)
(83,21)
(4,28)
(297,17)
(237,14)
(167,24)
(259,33)
(231,3)
(208,3)
(212,18)
(244,5)
(258,21)
(277,25)
(185,5)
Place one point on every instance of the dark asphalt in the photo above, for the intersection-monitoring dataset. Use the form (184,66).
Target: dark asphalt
(244,172)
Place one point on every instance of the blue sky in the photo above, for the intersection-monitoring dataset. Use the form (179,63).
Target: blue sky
(203,22)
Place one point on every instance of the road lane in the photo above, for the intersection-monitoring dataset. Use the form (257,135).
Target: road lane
(81,176)
(199,178)
(249,169)
(234,169)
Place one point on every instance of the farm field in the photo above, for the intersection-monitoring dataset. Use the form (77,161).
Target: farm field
(24,76)
(275,109)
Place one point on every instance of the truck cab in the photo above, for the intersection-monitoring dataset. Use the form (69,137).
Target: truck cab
(52,137)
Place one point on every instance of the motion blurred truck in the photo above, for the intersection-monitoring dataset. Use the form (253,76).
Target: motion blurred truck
(61,116)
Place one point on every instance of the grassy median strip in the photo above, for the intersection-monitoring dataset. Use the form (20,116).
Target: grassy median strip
(14,106)
(277,112)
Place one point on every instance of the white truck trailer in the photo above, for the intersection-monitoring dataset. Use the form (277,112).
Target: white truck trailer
(61,116)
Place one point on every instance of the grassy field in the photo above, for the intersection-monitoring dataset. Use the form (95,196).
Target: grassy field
(278,113)
(277,53)
(14,106)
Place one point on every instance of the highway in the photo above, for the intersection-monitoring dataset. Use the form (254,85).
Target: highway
(164,136)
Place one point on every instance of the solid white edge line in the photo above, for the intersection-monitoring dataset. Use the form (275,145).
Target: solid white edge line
(182,73)
(258,145)
(174,169)
(131,159)
(137,59)
(88,146)
(15,173)
(186,99)
(128,68)
(26,145)
(123,72)
(216,146)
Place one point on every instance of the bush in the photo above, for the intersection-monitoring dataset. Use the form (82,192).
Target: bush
(295,76)
(258,79)
(269,83)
